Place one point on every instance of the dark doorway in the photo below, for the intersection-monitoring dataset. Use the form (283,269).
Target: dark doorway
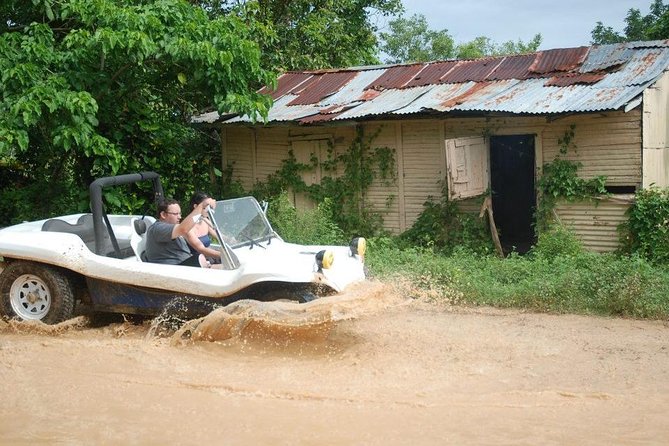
(513,194)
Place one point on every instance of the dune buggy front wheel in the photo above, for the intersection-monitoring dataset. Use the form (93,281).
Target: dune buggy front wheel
(33,291)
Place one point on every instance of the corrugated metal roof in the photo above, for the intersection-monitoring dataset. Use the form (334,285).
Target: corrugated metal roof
(513,67)
(395,77)
(561,59)
(583,79)
(471,70)
(323,86)
(286,83)
(432,73)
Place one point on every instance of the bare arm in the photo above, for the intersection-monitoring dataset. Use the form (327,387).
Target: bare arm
(194,241)
(188,223)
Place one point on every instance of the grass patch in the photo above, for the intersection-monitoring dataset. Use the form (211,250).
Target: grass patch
(558,275)
(545,280)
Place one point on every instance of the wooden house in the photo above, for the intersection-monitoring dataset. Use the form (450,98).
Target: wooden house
(480,125)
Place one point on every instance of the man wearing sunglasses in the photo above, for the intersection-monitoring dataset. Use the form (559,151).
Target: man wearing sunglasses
(165,239)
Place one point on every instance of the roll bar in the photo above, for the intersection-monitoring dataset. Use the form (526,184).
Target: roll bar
(97,207)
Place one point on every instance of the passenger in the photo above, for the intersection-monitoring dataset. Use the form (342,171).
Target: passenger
(199,238)
(165,239)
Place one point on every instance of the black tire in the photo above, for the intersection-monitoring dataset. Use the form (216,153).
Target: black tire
(34,291)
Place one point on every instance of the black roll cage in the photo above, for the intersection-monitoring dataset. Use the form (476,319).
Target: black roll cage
(97,206)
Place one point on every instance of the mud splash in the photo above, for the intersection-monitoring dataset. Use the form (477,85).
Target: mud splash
(37,327)
(282,323)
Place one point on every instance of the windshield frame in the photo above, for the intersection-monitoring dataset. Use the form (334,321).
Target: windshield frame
(242,222)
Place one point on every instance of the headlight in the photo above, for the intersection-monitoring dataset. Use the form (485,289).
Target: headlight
(358,246)
(324,259)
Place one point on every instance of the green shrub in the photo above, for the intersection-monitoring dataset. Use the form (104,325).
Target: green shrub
(647,230)
(557,241)
(309,227)
(443,227)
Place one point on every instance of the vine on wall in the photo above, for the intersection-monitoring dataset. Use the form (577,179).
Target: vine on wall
(560,180)
(359,165)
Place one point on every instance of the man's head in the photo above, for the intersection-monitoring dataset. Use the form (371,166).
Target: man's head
(169,211)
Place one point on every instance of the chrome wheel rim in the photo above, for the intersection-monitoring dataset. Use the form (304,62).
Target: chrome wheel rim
(29,297)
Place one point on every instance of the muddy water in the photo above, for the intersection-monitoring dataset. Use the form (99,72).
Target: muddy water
(369,367)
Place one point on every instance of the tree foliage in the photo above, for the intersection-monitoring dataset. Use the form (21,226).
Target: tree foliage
(97,87)
(411,40)
(652,26)
(311,34)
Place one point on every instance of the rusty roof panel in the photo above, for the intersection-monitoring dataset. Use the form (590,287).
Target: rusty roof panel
(533,97)
(395,77)
(386,102)
(567,79)
(355,89)
(643,66)
(325,85)
(435,97)
(563,59)
(280,112)
(471,70)
(513,67)
(286,83)
(431,73)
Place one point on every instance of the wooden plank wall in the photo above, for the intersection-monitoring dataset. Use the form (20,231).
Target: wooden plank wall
(272,145)
(239,155)
(384,196)
(656,134)
(606,144)
(595,222)
(423,168)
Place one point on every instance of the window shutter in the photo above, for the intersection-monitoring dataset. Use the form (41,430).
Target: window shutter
(467,167)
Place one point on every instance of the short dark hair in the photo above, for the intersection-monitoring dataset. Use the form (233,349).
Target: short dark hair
(197,198)
(164,204)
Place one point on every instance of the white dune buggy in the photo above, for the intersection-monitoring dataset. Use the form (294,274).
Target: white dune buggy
(97,260)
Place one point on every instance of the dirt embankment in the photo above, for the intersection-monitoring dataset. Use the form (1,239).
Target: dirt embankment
(368,368)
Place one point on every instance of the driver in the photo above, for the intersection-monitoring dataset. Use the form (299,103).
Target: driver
(165,242)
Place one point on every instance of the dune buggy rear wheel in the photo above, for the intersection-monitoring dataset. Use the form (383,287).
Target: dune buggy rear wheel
(33,291)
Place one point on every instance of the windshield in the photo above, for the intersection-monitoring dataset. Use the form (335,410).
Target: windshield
(241,221)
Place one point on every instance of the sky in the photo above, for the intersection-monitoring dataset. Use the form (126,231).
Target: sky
(562,23)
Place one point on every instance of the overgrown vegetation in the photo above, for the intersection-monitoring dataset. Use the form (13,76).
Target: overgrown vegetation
(312,227)
(346,179)
(558,275)
(101,87)
(443,228)
(646,233)
(559,180)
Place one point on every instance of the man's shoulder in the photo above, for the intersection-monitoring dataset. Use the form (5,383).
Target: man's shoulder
(160,227)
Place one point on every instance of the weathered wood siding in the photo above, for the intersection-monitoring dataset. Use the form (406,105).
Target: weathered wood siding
(383,195)
(607,144)
(272,147)
(595,223)
(423,165)
(656,134)
(238,154)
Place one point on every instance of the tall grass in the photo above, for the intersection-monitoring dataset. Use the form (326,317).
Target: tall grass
(563,280)
(558,275)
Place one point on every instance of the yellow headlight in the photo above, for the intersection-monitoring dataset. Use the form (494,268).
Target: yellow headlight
(324,259)
(358,246)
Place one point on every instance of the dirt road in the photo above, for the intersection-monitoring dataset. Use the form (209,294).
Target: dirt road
(378,370)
